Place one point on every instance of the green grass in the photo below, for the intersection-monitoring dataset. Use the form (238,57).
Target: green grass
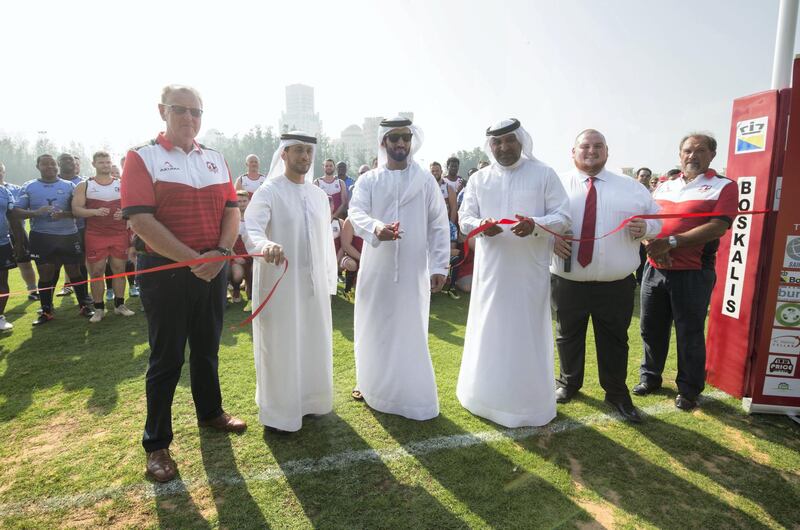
(72,411)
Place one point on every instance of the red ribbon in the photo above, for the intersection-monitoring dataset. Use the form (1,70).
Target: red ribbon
(473,233)
(482,228)
(271,292)
(177,265)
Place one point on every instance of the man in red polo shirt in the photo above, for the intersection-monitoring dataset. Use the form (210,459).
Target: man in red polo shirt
(181,203)
(679,275)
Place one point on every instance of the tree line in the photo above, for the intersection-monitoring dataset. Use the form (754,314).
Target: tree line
(19,155)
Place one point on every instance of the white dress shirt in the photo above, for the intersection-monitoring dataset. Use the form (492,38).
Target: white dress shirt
(618,198)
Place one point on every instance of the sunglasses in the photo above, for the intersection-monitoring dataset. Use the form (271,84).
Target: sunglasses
(180,110)
(394,138)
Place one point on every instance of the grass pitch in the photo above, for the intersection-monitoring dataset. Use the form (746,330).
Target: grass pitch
(72,410)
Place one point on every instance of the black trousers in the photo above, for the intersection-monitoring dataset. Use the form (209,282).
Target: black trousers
(610,305)
(642,261)
(180,307)
(682,297)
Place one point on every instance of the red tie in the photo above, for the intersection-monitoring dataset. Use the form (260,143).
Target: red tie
(586,248)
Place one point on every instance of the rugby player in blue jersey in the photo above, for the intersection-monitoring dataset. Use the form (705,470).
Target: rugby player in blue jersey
(54,238)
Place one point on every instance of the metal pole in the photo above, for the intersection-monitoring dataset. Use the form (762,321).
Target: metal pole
(784,45)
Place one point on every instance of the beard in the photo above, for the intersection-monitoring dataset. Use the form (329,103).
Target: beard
(300,167)
(397,155)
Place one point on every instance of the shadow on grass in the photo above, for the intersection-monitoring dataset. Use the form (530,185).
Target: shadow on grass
(76,355)
(485,481)
(342,310)
(731,470)
(363,494)
(448,316)
(176,508)
(236,508)
(776,428)
(625,479)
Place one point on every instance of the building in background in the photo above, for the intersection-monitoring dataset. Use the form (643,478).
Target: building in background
(300,113)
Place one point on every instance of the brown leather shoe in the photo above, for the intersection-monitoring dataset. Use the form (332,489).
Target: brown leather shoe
(160,466)
(225,422)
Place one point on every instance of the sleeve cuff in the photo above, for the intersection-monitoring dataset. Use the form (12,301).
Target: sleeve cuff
(726,219)
(133,210)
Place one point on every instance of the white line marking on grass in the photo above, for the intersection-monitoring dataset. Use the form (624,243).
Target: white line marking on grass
(345,459)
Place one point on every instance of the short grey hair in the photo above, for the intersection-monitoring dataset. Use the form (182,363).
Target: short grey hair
(711,142)
(169,89)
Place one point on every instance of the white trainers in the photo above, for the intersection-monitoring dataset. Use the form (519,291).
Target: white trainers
(5,325)
(124,311)
(98,316)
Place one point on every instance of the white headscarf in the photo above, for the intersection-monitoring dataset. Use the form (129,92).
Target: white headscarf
(278,168)
(387,126)
(504,127)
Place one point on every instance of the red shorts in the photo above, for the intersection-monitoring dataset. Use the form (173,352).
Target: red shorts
(100,247)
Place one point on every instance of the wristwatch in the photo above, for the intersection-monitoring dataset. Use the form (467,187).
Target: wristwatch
(224,251)
(673,241)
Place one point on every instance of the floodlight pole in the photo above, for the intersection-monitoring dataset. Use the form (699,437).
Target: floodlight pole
(784,45)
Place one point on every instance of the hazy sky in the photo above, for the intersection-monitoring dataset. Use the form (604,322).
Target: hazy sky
(643,72)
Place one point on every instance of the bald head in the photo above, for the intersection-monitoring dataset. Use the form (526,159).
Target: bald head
(590,152)
(252,163)
(588,131)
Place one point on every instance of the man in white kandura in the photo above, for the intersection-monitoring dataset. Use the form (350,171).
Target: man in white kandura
(507,367)
(290,218)
(398,210)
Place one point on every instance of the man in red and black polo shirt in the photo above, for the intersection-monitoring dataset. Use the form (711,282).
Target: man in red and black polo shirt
(181,203)
(679,276)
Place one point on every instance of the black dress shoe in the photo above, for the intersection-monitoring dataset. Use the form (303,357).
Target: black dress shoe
(684,403)
(642,389)
(43,318)
(626,410)
(563,395)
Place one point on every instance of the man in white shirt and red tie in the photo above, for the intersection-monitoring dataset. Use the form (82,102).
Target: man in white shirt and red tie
(597,281)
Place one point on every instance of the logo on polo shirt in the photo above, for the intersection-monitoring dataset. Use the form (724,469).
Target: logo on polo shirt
(704,188)
(168,167)
(212,167)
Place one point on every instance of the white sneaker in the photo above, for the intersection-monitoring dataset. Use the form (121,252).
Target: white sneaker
(98,316)
(124,311)
(5,325)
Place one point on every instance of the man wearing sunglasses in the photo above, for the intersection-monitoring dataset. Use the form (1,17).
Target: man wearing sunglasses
(398,209)
(181,203)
